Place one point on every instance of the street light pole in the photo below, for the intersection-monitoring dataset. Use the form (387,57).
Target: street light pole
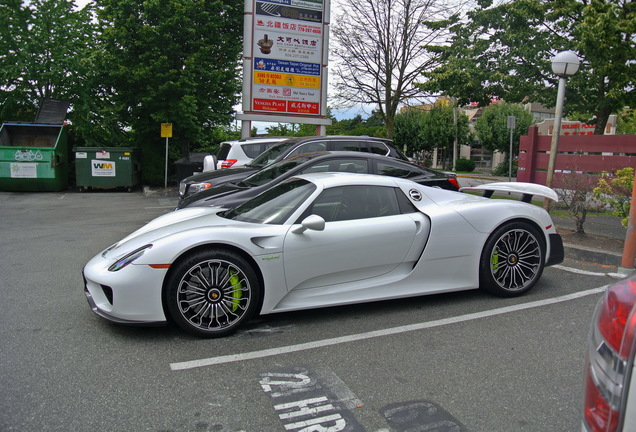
(556,130)
(564,65)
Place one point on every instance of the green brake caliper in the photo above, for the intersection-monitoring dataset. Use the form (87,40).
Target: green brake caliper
(494,262)
(237,293)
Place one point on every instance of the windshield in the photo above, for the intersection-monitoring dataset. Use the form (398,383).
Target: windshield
(273,171)
(270,155)
(275,205)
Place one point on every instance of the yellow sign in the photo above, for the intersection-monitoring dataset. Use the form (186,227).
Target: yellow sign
(166,130)
(284,79)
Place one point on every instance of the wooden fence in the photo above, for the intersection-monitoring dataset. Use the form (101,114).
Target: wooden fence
(577,154)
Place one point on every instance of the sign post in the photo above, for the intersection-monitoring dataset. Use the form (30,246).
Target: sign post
(166,132)
(511,125)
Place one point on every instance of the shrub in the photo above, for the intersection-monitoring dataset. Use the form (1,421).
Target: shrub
(465,165)
(502,169)
(617,193)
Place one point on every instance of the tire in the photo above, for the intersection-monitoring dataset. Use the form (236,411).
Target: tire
(211,293)
(512,260)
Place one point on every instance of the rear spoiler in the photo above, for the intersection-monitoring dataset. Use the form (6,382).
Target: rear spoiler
(527,190)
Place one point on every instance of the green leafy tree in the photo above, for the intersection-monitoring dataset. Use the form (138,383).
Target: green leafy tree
(408,128)
(442,125)
(626,124)
(371,126)
(43,47)
(617,192)
(492,127)
(170,61)
(438,127)
(505,51)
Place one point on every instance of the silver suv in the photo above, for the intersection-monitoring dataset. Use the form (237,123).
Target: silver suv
(232,154)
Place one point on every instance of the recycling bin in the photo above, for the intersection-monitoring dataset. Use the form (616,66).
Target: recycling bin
(106,167)
(33,157)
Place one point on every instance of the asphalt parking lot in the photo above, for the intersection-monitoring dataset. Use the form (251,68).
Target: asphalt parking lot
(453,362)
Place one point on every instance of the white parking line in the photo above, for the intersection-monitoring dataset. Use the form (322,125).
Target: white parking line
(378,333)
(589,273)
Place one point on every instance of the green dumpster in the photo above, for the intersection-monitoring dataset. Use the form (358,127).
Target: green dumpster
(106,167)
(33,157)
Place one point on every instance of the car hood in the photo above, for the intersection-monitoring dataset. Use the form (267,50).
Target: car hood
(234,173)
(202,197)
(171,224)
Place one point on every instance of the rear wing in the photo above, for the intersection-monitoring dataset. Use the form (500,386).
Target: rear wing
(527,190)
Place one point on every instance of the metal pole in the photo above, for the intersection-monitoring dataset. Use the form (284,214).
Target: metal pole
(246,128)
(510,157)
(455,141)
(556,131)
(165,180)
(512,120)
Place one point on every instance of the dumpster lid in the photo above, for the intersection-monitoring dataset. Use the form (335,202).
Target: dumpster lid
(52,111)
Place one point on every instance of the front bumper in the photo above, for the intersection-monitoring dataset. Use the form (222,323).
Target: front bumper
(131,295)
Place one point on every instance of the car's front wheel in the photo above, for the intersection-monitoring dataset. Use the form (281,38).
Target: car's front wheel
(512,260)
(212,292)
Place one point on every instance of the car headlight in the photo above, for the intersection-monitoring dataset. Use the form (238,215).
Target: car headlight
(198,187)
(129,258)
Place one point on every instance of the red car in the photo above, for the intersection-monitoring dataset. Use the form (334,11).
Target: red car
(609,366)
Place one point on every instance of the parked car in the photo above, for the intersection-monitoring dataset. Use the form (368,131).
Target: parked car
(234,154)
(317,240)
(231,194)
(288,148)
(609,365)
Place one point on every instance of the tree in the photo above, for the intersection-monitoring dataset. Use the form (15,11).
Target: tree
(171,61)
(43,47)
(627,122)
(381,50)
(492,127)
(437,127)
(505,51)
(408,128)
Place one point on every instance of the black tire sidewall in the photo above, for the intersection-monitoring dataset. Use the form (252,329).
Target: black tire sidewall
(183,265)
(487,281)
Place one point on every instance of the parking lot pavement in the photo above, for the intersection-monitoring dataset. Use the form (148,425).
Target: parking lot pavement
(483,363)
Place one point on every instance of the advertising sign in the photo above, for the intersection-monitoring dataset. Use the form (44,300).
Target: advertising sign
(287,64)
(102,168)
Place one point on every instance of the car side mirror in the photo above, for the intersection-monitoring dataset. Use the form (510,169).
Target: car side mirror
(311,222)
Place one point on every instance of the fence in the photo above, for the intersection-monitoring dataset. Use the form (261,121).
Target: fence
(577,154)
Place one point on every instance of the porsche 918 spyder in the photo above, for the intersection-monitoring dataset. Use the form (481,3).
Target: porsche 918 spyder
(320,240)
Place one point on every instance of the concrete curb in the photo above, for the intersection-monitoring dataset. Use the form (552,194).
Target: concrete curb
(593,255)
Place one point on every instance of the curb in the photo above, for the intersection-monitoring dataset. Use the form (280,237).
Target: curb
(593,255)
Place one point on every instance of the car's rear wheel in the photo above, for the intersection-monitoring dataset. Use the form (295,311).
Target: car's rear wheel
(212,292)
(512,260)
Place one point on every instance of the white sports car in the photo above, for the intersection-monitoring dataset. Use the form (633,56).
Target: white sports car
(322,240)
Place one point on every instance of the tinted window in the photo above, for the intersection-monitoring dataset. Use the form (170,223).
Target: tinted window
(395,170)
(252,150)
(345,145)
(272,171)
(269,155)
(224,149)
(310,147)
(275,205)
(356,202)
(339,165)
(378,148)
